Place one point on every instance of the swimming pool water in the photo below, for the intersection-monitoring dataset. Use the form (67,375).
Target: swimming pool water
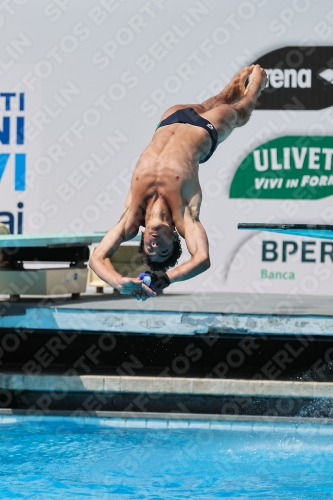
(95,458)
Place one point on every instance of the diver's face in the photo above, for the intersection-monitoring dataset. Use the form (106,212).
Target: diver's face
(158,242)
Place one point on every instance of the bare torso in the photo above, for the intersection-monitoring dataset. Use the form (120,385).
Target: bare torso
(168,168)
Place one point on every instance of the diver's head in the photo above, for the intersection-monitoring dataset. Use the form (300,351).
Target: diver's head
(160,246)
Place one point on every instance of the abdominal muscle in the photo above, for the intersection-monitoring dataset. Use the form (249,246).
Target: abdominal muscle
(169,165)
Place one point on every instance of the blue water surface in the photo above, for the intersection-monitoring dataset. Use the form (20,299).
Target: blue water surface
(70,458)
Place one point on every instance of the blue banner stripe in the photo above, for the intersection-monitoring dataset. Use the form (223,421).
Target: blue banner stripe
(3,162)
(20,172)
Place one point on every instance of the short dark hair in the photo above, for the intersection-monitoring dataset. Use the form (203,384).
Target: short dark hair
(166,264)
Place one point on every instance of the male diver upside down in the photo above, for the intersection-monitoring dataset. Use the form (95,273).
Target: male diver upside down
(165,194)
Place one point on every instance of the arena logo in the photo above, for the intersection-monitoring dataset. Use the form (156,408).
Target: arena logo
(290,167)
(327,74)
(298,78)
(289,78)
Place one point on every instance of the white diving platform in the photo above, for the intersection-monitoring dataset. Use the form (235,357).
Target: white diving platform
(67,253)
(215,314)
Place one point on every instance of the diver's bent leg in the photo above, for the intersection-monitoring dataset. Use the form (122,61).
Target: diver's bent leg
(234,91)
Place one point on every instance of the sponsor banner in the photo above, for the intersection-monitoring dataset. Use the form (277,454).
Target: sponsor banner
(19,155)
(275,263)
(291,167)
(299,78)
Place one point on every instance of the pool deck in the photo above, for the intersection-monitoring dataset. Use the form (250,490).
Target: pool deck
(169,314)
(172,420)
(174,314)
(166,385)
